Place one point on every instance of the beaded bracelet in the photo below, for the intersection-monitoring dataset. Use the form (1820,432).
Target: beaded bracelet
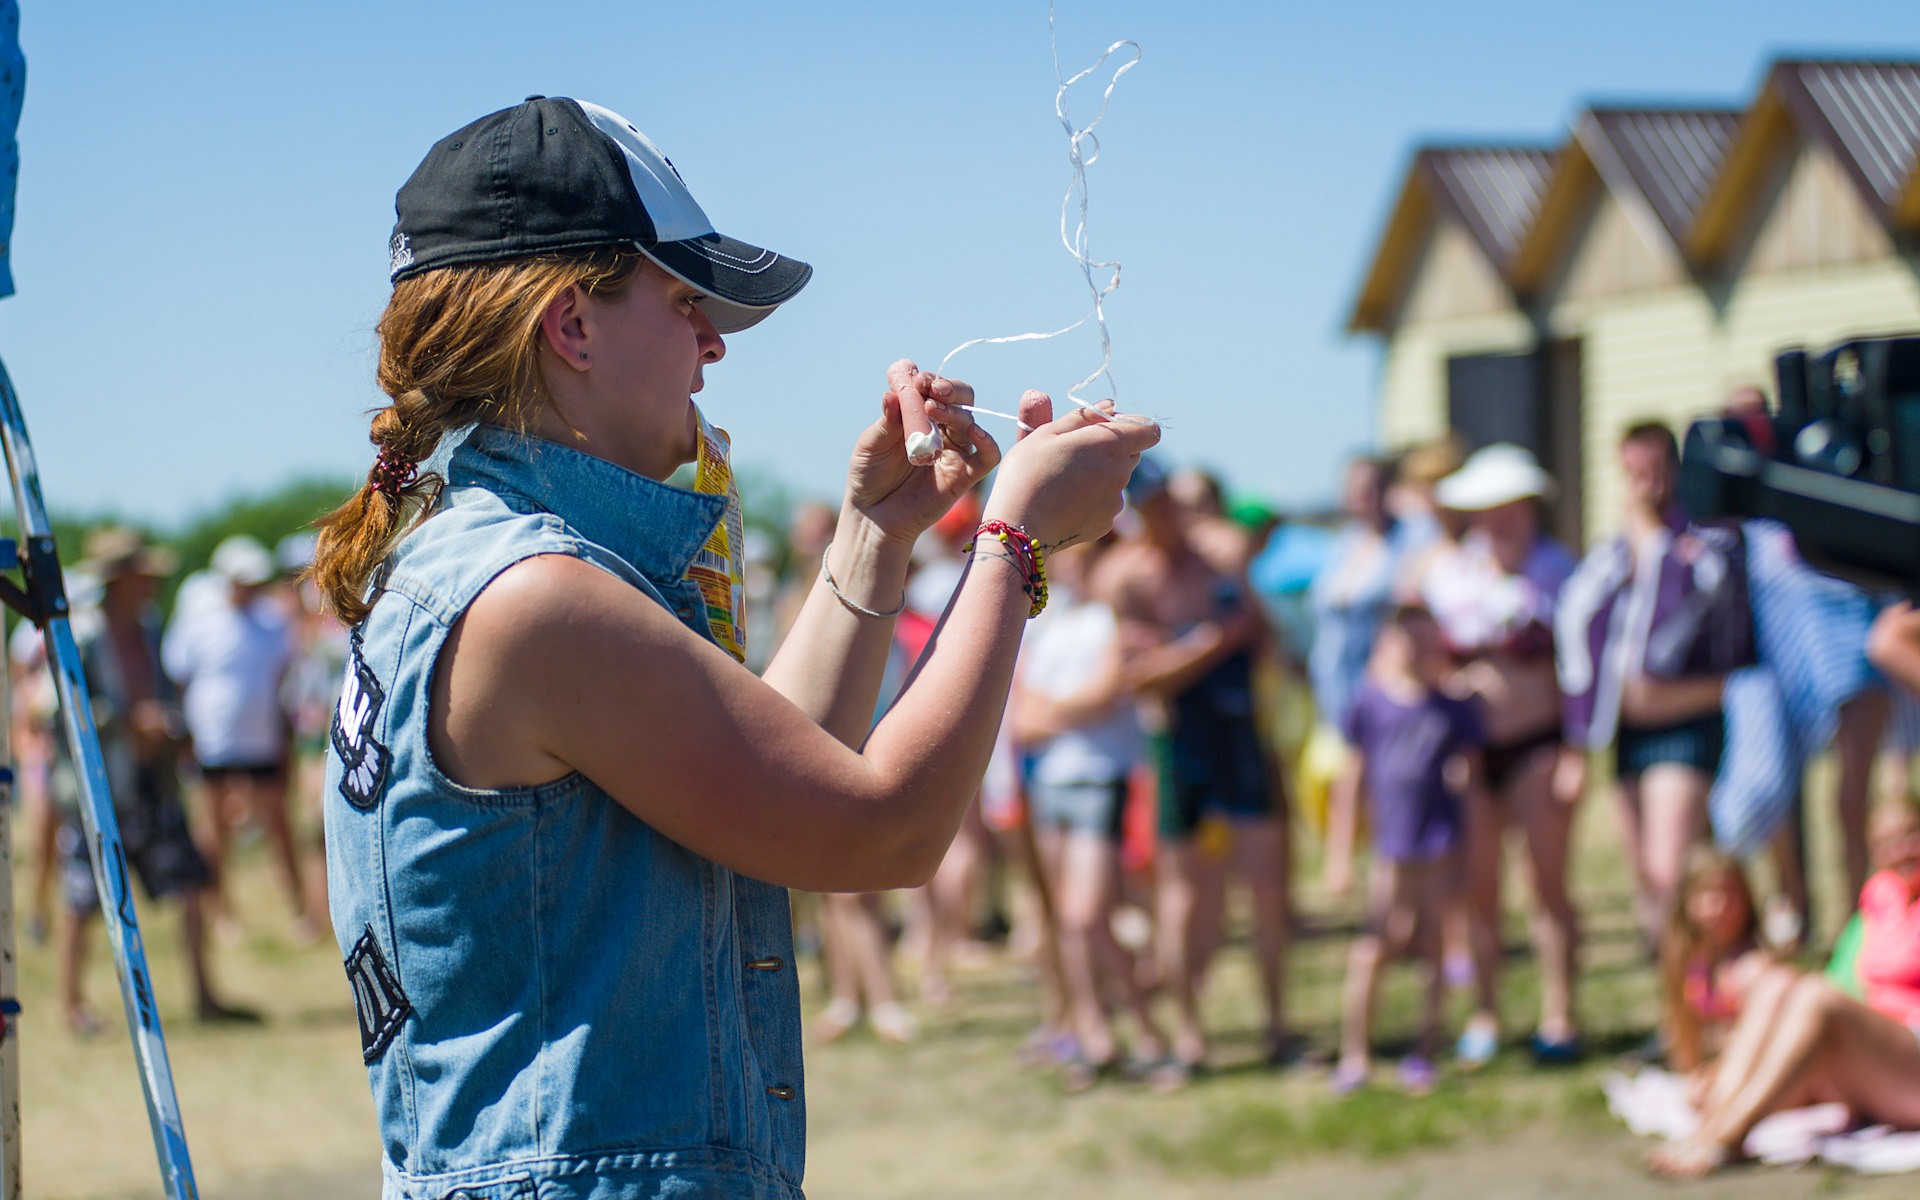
(1025,555)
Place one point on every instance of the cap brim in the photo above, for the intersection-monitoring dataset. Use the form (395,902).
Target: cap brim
(743,283)
(1481,495)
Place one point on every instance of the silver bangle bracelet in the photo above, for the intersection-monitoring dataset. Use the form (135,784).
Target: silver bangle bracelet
(841,597)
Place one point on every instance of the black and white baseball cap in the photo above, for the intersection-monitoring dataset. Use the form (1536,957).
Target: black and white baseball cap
(553,175)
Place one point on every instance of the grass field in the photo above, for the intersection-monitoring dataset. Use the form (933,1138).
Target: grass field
(282,1110)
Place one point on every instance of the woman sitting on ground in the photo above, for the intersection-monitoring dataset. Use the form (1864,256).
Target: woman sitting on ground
(1800,1040)
(1710,957)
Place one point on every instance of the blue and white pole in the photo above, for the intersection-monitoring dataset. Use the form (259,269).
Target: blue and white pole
(45,588)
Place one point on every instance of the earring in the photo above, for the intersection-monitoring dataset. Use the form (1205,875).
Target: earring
(583,354)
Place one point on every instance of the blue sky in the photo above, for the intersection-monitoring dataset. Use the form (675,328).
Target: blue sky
(206,193)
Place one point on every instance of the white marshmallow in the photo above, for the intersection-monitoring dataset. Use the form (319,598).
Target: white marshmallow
(923,448)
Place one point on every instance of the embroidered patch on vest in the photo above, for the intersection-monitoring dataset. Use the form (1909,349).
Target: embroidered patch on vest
(363,760)
(377,999)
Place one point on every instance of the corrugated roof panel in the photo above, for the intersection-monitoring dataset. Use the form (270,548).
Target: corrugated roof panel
(1872,114)
(1494,190)
(1672,155)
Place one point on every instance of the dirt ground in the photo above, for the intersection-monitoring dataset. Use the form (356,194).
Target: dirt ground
(281,1111)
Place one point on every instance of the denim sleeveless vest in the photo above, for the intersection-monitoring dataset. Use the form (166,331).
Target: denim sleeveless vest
(554,1000)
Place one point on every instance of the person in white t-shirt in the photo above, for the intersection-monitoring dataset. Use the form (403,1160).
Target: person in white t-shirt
(1073,713)
(228,648)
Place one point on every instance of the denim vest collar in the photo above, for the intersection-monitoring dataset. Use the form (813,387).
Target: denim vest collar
(656,527)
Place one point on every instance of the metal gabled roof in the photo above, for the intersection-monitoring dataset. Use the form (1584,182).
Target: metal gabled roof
(1671,156)
(1494,191)
(1697,172)
(1867,112)
(1491,191)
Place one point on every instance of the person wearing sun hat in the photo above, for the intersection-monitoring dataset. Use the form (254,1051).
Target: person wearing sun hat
(1494,596)
(229,649)
(561,815)
(142,738)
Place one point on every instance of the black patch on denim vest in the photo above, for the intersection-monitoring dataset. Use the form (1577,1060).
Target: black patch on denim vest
(377,999)
(363,760)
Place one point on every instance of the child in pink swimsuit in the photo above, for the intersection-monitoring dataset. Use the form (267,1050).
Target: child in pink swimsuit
(1889,959)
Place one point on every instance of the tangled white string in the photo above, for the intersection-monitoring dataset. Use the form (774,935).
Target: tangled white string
(1075,242)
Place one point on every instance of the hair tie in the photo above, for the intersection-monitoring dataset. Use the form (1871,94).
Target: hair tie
(391,473)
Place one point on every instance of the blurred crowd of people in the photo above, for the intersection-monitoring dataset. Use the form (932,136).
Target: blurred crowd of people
(1419,686)
(209,728)
(1423,685)
(1134,777)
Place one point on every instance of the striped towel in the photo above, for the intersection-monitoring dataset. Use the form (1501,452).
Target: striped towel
(1811,632)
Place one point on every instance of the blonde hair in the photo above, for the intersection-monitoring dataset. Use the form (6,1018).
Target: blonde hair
(458,345)
(1682,939)
(1430,462)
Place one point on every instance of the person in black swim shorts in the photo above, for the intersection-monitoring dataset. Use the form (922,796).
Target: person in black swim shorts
(1218,793)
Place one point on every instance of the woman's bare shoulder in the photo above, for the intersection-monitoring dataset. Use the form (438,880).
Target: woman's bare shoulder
(547,633)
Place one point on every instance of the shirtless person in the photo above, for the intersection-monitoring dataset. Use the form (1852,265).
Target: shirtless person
(1197,631)
(1222,543)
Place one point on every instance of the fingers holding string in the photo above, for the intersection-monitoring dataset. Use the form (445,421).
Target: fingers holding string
(949,408)
(983,456)
(909,382)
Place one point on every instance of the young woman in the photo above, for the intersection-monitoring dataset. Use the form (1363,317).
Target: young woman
(561,815)
(1495,595)
(1800,1040)
(1073,717)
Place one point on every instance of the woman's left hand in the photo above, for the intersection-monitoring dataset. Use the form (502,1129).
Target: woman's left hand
(898,498)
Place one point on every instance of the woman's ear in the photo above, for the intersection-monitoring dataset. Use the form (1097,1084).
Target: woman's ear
(565,327)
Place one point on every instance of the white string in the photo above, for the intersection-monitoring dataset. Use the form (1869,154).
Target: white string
(1076,242)
(988,412)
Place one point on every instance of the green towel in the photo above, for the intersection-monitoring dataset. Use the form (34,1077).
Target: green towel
(1843,968)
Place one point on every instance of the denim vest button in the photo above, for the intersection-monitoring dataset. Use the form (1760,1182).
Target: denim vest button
(784,1093)
(766,964)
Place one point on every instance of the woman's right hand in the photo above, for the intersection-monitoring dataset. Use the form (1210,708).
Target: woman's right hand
(1062,482)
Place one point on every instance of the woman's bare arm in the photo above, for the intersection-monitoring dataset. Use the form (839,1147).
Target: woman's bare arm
(832,661)
(560,667)
(1175,666)
(1036,716)
(1648,702)
(604,681)
(833,658)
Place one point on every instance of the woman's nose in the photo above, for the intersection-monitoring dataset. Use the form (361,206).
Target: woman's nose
(713,347)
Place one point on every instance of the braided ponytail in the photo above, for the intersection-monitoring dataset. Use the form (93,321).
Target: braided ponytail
(458,345)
